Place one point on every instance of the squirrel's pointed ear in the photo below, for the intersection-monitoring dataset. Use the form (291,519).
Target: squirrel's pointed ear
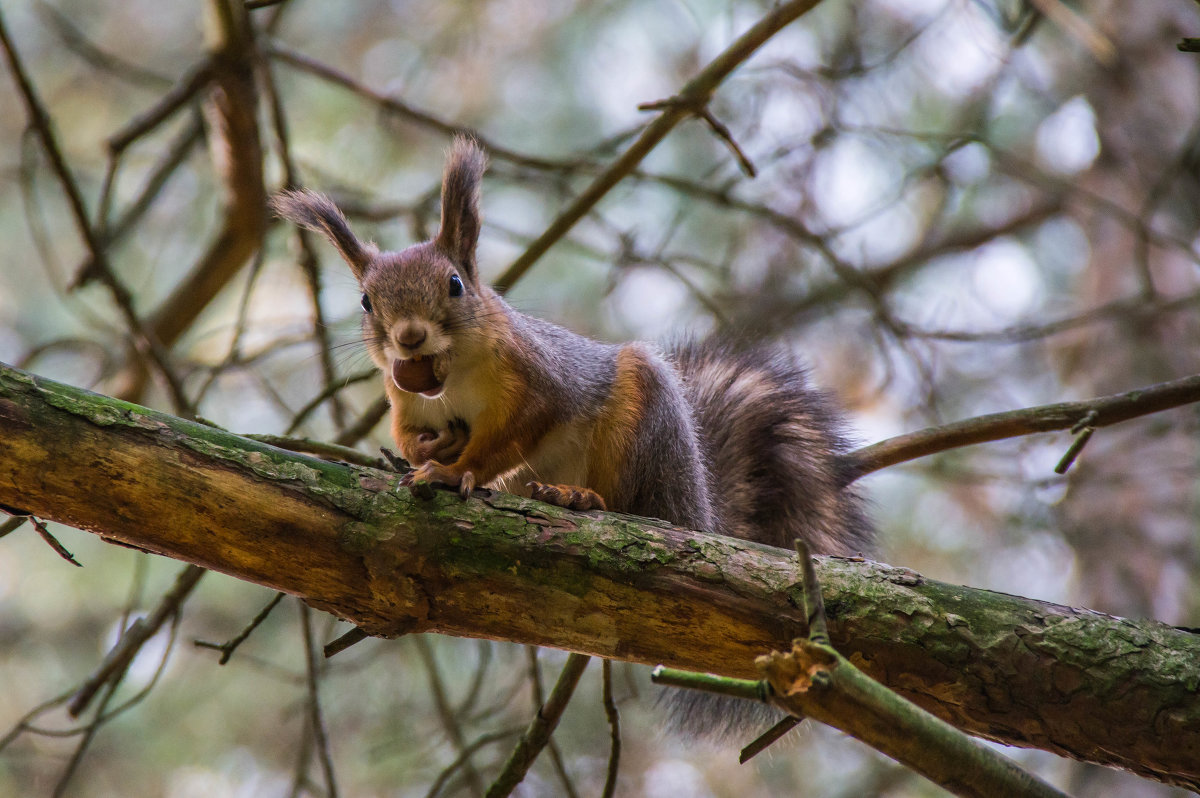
(459,232)
(317,212)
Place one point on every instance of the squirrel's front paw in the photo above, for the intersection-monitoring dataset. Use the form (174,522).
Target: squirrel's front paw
(569,496)
(432,471)
(444,445)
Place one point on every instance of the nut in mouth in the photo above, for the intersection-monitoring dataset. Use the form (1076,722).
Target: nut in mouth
(417,374)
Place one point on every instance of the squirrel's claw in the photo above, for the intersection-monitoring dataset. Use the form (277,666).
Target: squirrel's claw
(569,496)
(432,471)
(466,485)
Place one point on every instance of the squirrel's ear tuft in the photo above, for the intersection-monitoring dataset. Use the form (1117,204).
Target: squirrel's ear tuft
(459,232)
(317,212)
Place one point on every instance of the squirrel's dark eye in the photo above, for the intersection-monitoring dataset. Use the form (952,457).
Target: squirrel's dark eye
(456,286)
(366,303)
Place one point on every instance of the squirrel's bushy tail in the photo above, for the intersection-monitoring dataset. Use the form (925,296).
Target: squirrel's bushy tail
(771,444)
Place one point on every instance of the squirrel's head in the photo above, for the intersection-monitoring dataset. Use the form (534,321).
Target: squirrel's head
(417,303)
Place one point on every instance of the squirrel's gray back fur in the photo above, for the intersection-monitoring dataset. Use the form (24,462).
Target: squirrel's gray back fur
(771,446)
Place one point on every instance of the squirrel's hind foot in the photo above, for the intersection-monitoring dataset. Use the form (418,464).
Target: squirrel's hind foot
(570,496)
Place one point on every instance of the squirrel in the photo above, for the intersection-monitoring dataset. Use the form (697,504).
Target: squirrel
(712,436)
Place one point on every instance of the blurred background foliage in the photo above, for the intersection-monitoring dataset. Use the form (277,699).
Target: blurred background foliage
(962,206)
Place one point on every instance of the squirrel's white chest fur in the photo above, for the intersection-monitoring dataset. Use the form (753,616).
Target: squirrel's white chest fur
(560,456)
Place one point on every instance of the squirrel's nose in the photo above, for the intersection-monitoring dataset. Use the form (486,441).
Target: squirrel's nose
(411,336)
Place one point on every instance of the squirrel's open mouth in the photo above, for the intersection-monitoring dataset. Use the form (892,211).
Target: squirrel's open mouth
(417,374)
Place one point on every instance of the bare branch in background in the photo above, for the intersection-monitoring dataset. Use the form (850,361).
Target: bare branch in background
(134,638)
(539,698)
(41,124)
(231,646)
(537,735)
(316,718)
(451,722)
(697,89)
(237,153)
(1099,412)
(614,725)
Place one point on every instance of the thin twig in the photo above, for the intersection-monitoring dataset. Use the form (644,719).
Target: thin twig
(330,390)
(537,734)
(365,423)
(449,720)
(614,729)
(818,632)
(723,133)
(39,120)
(12,524)
(175,156)
(538,699)
(393,105)
(326,451)
(1083,431)
(701,110)
(122,654)
(304,747)
(227,648)
(52,541)
(467,706)
(89,734)
(698,88)
(1015,423)
(355,635)
(315,717)
(746,689)
(814,603)
(465,756)
(769,737)
(187,88)
(77,42)
(25,723)
(309,263)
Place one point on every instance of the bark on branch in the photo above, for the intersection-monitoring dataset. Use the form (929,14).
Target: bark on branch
(347,540)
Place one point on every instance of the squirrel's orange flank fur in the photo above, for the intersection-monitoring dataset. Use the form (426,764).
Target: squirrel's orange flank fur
(715,436)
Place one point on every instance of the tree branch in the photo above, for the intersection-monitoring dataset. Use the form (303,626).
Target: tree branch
(696,91)
(39,121)
(237,153)
(348,540)
(1100,412)
(816,681)
(537,734)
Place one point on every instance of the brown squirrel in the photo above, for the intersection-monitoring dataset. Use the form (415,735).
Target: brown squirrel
(709,436)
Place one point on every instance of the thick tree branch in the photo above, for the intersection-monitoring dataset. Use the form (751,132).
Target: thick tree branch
(347,540)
